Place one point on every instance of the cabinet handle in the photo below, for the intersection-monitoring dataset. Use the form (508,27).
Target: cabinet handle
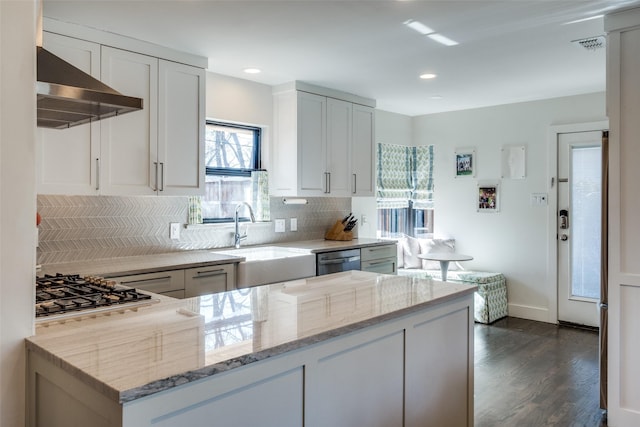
(329,182)
(97,174)
(381,262)
(201,274)
(326,182)
(145,280)
(162,176)
(355,184)
(156,180)
(381,248)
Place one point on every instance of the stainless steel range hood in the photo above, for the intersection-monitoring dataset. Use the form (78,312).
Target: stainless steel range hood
(67,96)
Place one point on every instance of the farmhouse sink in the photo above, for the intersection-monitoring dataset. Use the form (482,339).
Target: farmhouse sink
(271,264)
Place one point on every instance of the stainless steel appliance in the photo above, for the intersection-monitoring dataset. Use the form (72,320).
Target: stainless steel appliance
(67,295)
(337,261)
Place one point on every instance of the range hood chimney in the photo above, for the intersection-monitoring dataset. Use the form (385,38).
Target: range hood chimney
(67,96)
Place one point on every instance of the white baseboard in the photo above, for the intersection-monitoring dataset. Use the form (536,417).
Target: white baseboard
(540,314)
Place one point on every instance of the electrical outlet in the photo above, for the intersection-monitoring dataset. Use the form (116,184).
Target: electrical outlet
(363,220)
(294,224)
(280,225)
(174,230)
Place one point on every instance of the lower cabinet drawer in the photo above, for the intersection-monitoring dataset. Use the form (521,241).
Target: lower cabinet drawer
(384,266)
(162,282)
(209,280)
(378,252)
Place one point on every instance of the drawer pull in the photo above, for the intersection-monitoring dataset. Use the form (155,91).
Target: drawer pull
(201,274)
(381,248)
(381,262)
(145,280)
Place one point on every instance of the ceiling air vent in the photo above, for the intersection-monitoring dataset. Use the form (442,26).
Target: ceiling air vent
(591,43)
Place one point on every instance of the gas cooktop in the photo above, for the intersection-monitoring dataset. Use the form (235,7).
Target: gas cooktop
(61,294)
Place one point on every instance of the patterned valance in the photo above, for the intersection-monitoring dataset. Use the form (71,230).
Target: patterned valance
(404,174)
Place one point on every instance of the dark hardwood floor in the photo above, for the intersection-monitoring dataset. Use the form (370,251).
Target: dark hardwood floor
(536,374)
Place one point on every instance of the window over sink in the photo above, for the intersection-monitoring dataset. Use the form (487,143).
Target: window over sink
(233,174)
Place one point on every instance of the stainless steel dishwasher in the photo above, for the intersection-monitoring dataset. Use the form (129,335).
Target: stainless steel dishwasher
(334,262)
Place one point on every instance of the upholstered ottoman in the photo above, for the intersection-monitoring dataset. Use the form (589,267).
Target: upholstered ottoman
(491,296)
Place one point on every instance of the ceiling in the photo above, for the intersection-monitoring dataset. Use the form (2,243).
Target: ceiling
(509,51)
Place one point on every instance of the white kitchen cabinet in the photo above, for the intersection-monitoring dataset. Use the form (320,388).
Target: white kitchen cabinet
(338,158)
(169,283)
(317,137)
(183,283)
(181,129)
(67,160)
(209,280)
(130,143)
(157,150)
(363,151)
(379,259)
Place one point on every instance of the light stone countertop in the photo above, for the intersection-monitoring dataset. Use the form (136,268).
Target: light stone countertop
(130,354)
(189,259)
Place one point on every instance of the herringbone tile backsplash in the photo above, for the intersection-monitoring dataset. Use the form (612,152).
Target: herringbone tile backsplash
(83,228)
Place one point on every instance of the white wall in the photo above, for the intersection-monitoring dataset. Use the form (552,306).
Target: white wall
(515,240)
(241,101)
(17,201)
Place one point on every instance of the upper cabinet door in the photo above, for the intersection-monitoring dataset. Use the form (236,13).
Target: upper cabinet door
(181,129)
(339,153)
(312,150)
(129,142)
(362,159)
(66,159)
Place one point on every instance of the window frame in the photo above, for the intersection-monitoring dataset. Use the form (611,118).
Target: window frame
(235,172)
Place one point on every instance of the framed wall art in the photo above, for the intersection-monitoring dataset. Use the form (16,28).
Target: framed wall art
(465,162)
(514,162)
(488,197)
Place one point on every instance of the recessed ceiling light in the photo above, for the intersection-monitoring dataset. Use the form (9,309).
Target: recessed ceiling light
(418,26)
(442,39)
(427,76)
(436,97)
(252,70)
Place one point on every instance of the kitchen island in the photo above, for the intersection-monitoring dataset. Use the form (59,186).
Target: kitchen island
(352,348)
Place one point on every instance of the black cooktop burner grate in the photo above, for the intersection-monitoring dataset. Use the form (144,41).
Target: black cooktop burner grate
(67,293)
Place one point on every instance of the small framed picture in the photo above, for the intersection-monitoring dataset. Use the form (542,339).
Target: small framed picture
(488,197)
(465,162)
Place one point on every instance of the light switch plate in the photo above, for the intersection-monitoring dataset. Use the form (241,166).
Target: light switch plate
(280,225)
(294,224)
(174,230)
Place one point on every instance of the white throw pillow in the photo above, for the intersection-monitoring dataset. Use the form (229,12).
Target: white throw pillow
(437,246)
(411,249)
(400,248)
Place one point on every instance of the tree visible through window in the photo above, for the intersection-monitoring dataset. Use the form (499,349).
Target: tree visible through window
(232,152)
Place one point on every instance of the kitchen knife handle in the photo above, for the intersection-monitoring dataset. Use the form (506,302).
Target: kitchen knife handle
(355,184)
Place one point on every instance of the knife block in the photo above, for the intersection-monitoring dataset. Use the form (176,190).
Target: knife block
(337,232)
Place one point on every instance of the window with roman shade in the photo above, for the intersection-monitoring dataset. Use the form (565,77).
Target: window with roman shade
(404,190)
